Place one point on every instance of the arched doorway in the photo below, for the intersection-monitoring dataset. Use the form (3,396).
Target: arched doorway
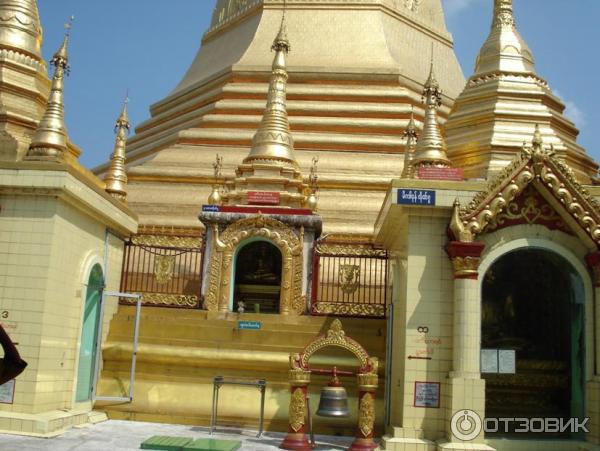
(258,277)
(533,303)
(89,335)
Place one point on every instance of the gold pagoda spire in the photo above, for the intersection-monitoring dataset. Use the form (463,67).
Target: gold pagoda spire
(20,28)
(273,140)
(431,148)
(411,143)
(50,139)
(504,50)
(116,177)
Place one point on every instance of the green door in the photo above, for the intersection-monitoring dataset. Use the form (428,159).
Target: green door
(89,335)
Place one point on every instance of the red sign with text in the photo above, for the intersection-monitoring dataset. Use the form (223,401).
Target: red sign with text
(263,198)
(451,174)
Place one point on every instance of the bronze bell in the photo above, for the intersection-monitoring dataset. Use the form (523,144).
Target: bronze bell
(334,399)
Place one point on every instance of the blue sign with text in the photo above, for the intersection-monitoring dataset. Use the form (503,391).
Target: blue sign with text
(249,325)
(212,208)
(416,197)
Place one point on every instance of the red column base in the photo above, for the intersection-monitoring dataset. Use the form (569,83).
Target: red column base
(296,441)
(363,444)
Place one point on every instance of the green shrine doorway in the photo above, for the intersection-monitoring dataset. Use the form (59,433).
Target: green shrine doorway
(257,269)
(89,335)
(533,304)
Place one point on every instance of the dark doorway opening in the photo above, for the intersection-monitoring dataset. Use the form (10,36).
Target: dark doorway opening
(533,303)
(258,278)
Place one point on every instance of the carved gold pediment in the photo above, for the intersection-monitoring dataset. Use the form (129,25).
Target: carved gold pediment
(225,245)
(540,169)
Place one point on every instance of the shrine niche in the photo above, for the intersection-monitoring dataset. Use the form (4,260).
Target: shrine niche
(257,277)
(225,248)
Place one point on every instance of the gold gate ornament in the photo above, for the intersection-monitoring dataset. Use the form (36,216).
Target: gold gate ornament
(163,268)
(349,276)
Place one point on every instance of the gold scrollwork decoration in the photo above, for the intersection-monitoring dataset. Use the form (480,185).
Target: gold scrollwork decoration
(350,250)
(297,409)
(166,300)
(366,414)
(349,309)
(465,266)
(335,337)
(181,242)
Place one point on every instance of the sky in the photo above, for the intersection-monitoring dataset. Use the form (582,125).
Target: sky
(141,47)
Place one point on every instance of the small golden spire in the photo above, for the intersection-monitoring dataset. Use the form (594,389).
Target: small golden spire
(431,148)
(504,49)
(50,139)
(215,197)
(273,140)
(411,142)
(116,177)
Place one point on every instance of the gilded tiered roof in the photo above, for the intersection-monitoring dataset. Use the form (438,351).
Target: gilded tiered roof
(501,104)
(348,104)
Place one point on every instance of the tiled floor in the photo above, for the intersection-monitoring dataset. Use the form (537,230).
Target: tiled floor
(127,436)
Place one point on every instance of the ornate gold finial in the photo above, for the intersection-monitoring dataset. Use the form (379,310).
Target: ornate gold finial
(215,197)
(50,139)
(457,227)
(116,177)
(431,148)
(313,178)
(503,13)
(411,142)
(281,41)
(504,50)
(20,28)
(537,140)
(273,140)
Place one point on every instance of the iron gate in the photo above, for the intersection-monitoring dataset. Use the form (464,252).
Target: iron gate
(166,269)
(349,280)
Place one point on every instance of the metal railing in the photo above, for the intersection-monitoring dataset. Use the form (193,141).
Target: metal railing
(349,280)
(166,269)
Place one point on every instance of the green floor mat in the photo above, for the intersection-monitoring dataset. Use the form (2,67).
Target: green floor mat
(161,442)
(208,444)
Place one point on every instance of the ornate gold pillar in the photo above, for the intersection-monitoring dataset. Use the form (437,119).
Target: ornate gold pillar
(367,385)
(296,437)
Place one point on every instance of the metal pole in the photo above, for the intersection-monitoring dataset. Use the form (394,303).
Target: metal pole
(136,334)
(313,444)
(262,409)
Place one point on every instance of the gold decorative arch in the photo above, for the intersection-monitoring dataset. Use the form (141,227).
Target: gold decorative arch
(335,337)
(292,302)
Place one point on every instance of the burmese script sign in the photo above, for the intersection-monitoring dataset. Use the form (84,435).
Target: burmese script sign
(263,198)
(416,197)
(249,325)
(427,394)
